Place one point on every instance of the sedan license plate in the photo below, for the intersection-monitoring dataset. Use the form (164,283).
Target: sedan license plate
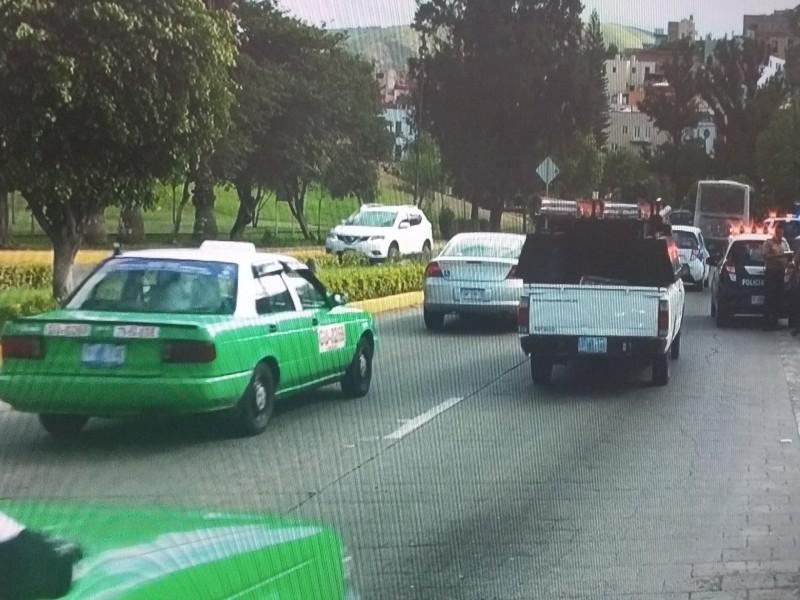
(473,295)
(592,345)
(102,355)
(757,300)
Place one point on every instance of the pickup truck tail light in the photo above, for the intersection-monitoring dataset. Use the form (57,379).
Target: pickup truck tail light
(663,318)
(695,253)
(22,347)
(188,352)
(523,315)
(433,270)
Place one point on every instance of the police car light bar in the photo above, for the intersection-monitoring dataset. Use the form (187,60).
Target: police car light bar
(594,209)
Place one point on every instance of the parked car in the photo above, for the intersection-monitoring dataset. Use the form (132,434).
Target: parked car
(737,281)
(219,328)
(681,217)
(475,273)
(126,553)
(693,255)
(382,232)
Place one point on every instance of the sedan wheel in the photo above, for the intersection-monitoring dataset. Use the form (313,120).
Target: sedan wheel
(63,425)
(257,403)
(358,377)
(434,321)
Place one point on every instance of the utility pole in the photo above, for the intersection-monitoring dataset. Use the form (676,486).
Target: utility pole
(420,92)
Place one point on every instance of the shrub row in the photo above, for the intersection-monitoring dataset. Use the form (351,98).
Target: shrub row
(24,302)
(25,276)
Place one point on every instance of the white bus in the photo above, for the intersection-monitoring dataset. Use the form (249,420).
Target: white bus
(719,205)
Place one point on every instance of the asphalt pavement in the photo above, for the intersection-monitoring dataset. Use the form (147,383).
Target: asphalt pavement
(456,478)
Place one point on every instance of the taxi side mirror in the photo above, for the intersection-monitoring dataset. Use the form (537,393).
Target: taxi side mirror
(337,299)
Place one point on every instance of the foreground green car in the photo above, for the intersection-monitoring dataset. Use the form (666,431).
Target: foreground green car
(219,328)
(155,553)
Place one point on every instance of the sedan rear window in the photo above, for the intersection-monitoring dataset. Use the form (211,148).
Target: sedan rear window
(746,253)
(686,240)
(159,286)
(509,248)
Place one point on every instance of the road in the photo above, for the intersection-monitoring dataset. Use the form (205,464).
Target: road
(457,479)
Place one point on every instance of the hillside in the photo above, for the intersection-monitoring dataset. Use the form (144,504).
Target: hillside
(391,47)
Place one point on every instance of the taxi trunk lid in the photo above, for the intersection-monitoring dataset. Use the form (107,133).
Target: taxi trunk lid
(84,343)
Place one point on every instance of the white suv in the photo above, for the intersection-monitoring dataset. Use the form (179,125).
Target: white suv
(382,232)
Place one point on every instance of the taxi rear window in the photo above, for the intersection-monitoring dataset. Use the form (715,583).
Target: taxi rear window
(746,253)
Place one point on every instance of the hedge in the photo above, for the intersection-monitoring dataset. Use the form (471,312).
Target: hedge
(30,286)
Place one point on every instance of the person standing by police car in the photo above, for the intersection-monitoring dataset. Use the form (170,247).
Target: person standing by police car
(775,251)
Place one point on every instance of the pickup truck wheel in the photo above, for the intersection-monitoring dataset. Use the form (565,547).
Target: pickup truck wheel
(713,309)
(434,321)
(675,349)
(63,425)
(257,403)
(541,369)
(661,369)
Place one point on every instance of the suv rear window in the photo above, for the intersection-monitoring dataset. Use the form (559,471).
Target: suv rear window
(746,253)
(686,240)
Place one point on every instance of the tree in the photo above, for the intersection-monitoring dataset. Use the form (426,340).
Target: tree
(778,149)
(98,99)
(500,88)
(307,112)
(422,167)
(741,110)
(581,166)
(674,110)
(596,92)
(612,51)
(622,169)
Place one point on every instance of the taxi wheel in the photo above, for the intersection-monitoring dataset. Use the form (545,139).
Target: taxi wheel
(257,402)
(661,369)
(63,425)
(358,377)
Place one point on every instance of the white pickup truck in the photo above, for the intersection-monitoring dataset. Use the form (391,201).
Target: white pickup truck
(600,288)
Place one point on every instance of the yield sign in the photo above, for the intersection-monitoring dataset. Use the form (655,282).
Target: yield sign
(547,170)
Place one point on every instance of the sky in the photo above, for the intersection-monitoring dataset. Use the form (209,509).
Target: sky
(718,17)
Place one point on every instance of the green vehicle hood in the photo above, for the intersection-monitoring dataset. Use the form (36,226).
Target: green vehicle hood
(133,553)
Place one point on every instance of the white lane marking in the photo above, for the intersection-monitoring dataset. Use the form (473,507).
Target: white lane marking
(419,421)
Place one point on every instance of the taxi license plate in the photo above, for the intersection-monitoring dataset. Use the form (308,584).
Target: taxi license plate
(472,295)
(102,355)
(757,300)
(592,345)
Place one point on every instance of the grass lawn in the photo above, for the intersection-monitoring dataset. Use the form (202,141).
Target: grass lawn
(275,220)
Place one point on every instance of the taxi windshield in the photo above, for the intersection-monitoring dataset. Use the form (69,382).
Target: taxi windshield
(372,218)
(159,286)
(747,253)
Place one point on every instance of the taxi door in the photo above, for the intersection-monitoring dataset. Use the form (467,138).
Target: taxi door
(328,334)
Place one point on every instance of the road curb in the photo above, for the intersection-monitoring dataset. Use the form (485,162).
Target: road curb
(389,303)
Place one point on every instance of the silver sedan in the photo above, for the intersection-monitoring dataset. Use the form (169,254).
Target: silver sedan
(474,274)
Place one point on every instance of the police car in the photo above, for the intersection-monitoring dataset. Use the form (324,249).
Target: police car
(737,282)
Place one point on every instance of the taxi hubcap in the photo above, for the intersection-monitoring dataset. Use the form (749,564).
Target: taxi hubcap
(261,397)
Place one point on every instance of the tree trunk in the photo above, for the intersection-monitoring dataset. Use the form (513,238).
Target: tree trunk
(65,247)
(94,227)
(205,222)
(495,218)
(131,225)
(297,206)
(5,225)
(247,210)
(176,225)
(475,215)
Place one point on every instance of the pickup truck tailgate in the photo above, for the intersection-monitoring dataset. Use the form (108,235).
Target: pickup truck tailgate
(603,311)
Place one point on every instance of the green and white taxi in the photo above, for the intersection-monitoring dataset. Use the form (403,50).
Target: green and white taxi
(219,328)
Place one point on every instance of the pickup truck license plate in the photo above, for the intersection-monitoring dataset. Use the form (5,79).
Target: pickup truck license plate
(102,355)
(757,300)
(470,294)
(592,345)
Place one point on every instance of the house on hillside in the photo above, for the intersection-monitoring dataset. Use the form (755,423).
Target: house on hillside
(775,31)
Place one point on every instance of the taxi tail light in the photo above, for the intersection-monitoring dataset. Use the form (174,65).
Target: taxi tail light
(188,352)
(663,318)
(523,315)
(433,270)
(22,347)
(512,273)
